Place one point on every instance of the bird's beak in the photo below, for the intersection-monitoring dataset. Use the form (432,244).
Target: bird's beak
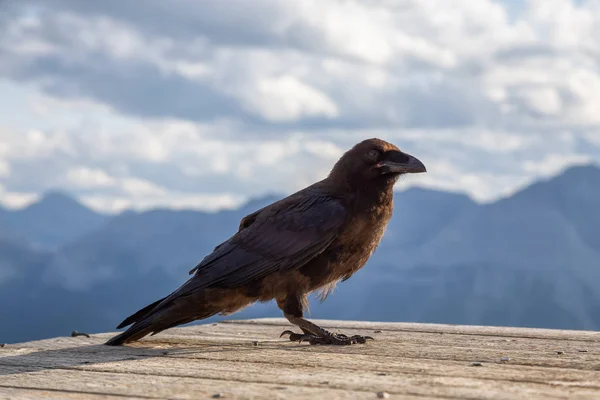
(397,162)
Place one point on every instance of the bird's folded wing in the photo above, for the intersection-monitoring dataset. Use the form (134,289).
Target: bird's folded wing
(281,238)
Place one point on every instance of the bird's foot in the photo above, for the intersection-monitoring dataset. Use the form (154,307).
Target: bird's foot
(338,339)
(298,337)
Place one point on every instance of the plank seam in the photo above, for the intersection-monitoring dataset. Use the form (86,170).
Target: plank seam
(75,392)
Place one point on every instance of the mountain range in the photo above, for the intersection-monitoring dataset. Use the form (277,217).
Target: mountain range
(531,259)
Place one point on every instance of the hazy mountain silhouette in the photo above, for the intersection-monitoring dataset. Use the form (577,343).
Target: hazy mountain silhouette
(532,259)
(51,222)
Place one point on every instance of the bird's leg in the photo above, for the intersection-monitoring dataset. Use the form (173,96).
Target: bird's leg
(313,334)
(292,307)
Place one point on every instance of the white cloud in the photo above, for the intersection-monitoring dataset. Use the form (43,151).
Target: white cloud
(543,100)
(174,200)
(565,24)
(476,139)
(36,143)
(88,178)
(203,105)
(593,135)
(141,187)
(16,200)
(4,168)
(85,177)
(551,164)
(286,98)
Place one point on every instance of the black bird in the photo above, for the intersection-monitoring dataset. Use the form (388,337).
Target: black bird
(305,242)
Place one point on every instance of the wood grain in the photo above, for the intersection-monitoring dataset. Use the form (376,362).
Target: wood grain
(246,359)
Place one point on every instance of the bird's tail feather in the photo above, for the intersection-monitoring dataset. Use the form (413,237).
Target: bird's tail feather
(135,332)
(152,320)
(139,314)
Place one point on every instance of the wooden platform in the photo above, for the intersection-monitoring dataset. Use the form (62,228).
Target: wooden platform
(246,359)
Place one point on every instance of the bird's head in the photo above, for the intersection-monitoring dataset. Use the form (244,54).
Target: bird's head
(374,161)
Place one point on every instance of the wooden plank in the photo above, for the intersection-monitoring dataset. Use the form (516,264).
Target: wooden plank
(453,380)
(519,353)
(157,386)
(249,332)
(340,370)
(406,360)
(268,333)
(373,355)
(533,333)
(45,394)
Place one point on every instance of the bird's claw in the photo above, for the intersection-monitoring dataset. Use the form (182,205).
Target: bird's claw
(338,339)
(298,337)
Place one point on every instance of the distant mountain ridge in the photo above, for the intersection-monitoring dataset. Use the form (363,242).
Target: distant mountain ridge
(54,220)
(531,259)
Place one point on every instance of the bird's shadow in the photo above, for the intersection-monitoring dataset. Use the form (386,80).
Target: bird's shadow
(20,360)
(33,360)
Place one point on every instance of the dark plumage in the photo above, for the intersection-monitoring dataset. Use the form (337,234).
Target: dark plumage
(305,242)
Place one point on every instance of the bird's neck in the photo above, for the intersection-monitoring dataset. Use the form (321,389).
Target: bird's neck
(374,200)
(371,197)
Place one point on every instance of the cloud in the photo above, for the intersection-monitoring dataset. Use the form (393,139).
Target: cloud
(87,178)
(112,204)
(551,164)
(285,98)
(14,199)
(209,103)
(4,169)
(317,62)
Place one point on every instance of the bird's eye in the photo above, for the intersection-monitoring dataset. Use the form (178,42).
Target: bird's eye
(373,154)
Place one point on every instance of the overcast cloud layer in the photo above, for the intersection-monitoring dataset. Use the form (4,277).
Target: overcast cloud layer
(203,104)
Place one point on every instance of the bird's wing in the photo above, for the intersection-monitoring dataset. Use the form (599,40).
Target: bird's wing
(286,236)
(244,223)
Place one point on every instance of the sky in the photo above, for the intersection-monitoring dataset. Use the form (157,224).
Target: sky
(205,104)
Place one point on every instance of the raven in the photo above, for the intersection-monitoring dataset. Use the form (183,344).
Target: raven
(303,243)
